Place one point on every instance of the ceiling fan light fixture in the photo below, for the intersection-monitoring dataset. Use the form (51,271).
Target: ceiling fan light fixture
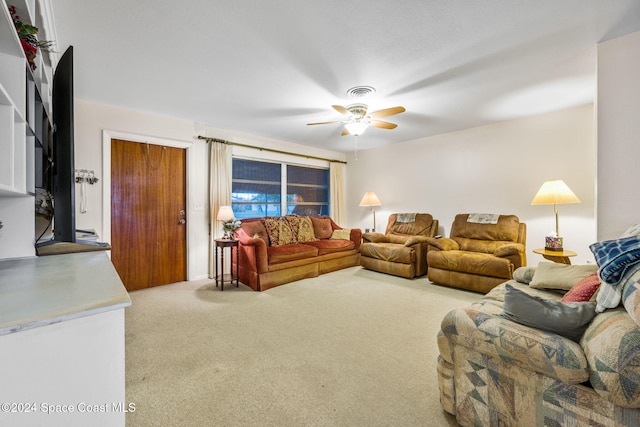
(356,128)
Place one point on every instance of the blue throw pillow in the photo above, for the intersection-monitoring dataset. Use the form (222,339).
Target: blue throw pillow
(615,257)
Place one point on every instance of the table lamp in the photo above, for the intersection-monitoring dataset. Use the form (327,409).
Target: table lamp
(554,193)
(225,215)
(370,199)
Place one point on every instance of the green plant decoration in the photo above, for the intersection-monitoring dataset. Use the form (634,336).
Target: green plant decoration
(28,38)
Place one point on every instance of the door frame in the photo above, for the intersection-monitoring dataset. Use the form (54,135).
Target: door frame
(107,136)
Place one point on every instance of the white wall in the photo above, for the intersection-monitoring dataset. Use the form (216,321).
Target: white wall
(494,169)
(618,107)
(92,119)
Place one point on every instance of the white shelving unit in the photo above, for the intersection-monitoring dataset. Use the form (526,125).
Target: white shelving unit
(25,117)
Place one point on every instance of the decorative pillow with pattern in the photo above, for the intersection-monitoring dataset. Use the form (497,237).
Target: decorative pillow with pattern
(583,290)
(302,228)
(615,257)
(279,231)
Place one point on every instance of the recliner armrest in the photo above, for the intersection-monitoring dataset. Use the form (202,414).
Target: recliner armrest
(509,249)
(414,240)
(443,244)
(375,238)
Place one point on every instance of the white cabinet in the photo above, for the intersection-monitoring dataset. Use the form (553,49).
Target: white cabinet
(25,99)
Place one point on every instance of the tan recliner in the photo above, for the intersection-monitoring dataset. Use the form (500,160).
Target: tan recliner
(402,250)
(482,252)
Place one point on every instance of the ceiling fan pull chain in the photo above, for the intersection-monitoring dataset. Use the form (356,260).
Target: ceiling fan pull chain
(356,148)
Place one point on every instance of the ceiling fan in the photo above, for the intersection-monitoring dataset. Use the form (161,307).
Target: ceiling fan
(358,120)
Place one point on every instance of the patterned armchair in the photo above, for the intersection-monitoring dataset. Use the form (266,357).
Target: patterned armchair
(402,250)
(482,252)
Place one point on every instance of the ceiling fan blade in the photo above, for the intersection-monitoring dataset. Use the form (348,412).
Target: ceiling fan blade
(340,109)
(322,123)
(383,125)
(387,112)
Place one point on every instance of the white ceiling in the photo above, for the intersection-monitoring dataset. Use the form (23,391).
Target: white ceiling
(269,67)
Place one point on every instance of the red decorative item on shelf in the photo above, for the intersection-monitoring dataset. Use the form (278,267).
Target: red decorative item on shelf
(30,52)
(28,39)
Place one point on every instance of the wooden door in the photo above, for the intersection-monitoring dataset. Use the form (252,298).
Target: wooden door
(148,220)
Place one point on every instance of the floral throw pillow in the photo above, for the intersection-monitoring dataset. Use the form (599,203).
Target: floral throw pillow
(583,290)
(302,228)
(279,231)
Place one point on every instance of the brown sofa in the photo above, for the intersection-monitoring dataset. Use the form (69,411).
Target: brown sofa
(402,250)
(278,250)
(482,252)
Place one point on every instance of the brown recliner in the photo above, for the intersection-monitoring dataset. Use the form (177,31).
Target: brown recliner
(402,250)
(482,252)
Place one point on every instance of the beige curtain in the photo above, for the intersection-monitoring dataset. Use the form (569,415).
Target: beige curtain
(219,192)
(336,192)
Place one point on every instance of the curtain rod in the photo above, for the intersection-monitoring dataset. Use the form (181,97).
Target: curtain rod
(222,141)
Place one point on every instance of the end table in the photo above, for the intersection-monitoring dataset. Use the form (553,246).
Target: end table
(222,278)
(561,257)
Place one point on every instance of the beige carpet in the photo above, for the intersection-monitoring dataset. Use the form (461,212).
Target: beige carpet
(349,348)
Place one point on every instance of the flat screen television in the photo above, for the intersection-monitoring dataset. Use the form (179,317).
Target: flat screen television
(54,164)
(64,195)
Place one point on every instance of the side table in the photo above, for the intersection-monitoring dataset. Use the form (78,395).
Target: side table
(221,244)
(561,257)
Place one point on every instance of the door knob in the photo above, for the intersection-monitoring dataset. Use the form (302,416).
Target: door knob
(182,221)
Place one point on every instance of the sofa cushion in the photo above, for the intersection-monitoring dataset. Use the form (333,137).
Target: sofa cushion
(471,263)
(584,290)
(615,257)
(391,252)
(481,246)
(567,319)
(612,347)
(279,231)
(322,227)
(551,275)
(330,246)
(292,252)
(302,228)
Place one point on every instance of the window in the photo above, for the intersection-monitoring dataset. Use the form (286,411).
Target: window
(267,189)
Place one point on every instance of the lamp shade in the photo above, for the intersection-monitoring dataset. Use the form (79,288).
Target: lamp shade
(554,192)
(356,128)
(370,199)
(225,213)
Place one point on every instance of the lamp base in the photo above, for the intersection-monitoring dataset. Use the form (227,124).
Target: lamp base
(553,244)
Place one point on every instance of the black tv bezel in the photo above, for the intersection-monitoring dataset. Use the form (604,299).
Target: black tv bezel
(64,213)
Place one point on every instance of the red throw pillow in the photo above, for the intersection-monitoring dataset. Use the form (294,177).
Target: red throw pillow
(583,290)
